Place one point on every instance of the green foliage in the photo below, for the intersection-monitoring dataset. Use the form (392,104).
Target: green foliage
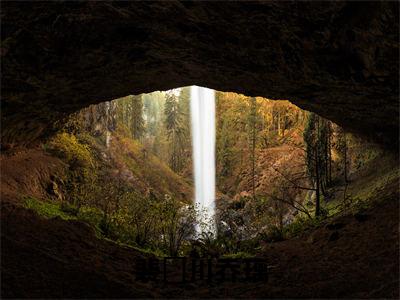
(67,147)
(47,209)
(91,215)
(137,125)
(69,209)
(298,226)
(129,114)
(225,153)
(238,255)
(176,224)
(175,129)
(151,224)
(81,175)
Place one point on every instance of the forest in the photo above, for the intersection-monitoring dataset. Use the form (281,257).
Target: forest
(279,171)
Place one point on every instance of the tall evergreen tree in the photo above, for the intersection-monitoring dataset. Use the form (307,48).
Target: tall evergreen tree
(137,124)
(175,130)
(184,109)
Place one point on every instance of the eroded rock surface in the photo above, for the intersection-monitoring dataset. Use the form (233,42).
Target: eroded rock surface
(337,59)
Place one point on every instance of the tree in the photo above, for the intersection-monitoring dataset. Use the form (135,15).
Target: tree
(186,143)
(137,123)
(224,149)
(141,213)
(155,133)
(342,147)
(252,120)
(231,135)
(318,159)
(176,224)
(175,131)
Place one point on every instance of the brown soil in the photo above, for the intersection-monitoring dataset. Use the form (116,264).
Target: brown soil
(27,172)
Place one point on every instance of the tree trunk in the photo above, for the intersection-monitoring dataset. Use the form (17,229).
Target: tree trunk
(253,150)
(317,174)
(326,159)
(279,123)
(345,159)
(329,154)
(317,188)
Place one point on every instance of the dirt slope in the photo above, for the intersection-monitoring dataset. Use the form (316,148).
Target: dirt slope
(27,172)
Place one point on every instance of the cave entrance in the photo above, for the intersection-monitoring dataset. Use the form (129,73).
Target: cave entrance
(133,164)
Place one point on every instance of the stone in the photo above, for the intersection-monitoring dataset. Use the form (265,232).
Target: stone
(337,59)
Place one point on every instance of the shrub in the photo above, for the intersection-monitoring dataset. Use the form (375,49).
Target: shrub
(80,181)
(67,146)
(91,215)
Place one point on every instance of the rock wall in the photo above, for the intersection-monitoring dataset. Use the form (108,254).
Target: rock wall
(337,59)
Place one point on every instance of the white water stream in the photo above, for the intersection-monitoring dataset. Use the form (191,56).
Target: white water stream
(202,110)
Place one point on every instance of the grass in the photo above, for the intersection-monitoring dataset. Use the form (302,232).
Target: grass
(47,209)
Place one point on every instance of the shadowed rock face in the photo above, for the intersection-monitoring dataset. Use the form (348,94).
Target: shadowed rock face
(337,59)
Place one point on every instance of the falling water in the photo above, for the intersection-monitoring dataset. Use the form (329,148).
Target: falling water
(202,108)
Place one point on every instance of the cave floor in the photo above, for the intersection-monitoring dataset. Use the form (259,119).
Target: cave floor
(353,256)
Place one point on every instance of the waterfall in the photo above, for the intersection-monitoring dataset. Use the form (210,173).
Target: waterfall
(202,110)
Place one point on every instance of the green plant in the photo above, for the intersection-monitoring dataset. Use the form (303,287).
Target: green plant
(237,255)
(46,209)
(67,146)
(69,208)
(299,225)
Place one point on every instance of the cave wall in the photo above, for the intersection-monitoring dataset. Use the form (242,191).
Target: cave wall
(337,59)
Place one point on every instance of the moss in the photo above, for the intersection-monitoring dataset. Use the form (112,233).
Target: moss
(238,255)
(94,217)
(300,225)
(47,209)
(69,208)
(65,211)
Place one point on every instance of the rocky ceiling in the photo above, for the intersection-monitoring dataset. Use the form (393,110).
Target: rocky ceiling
(337,59)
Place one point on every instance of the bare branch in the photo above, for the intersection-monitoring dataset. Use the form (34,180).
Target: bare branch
(292,182)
